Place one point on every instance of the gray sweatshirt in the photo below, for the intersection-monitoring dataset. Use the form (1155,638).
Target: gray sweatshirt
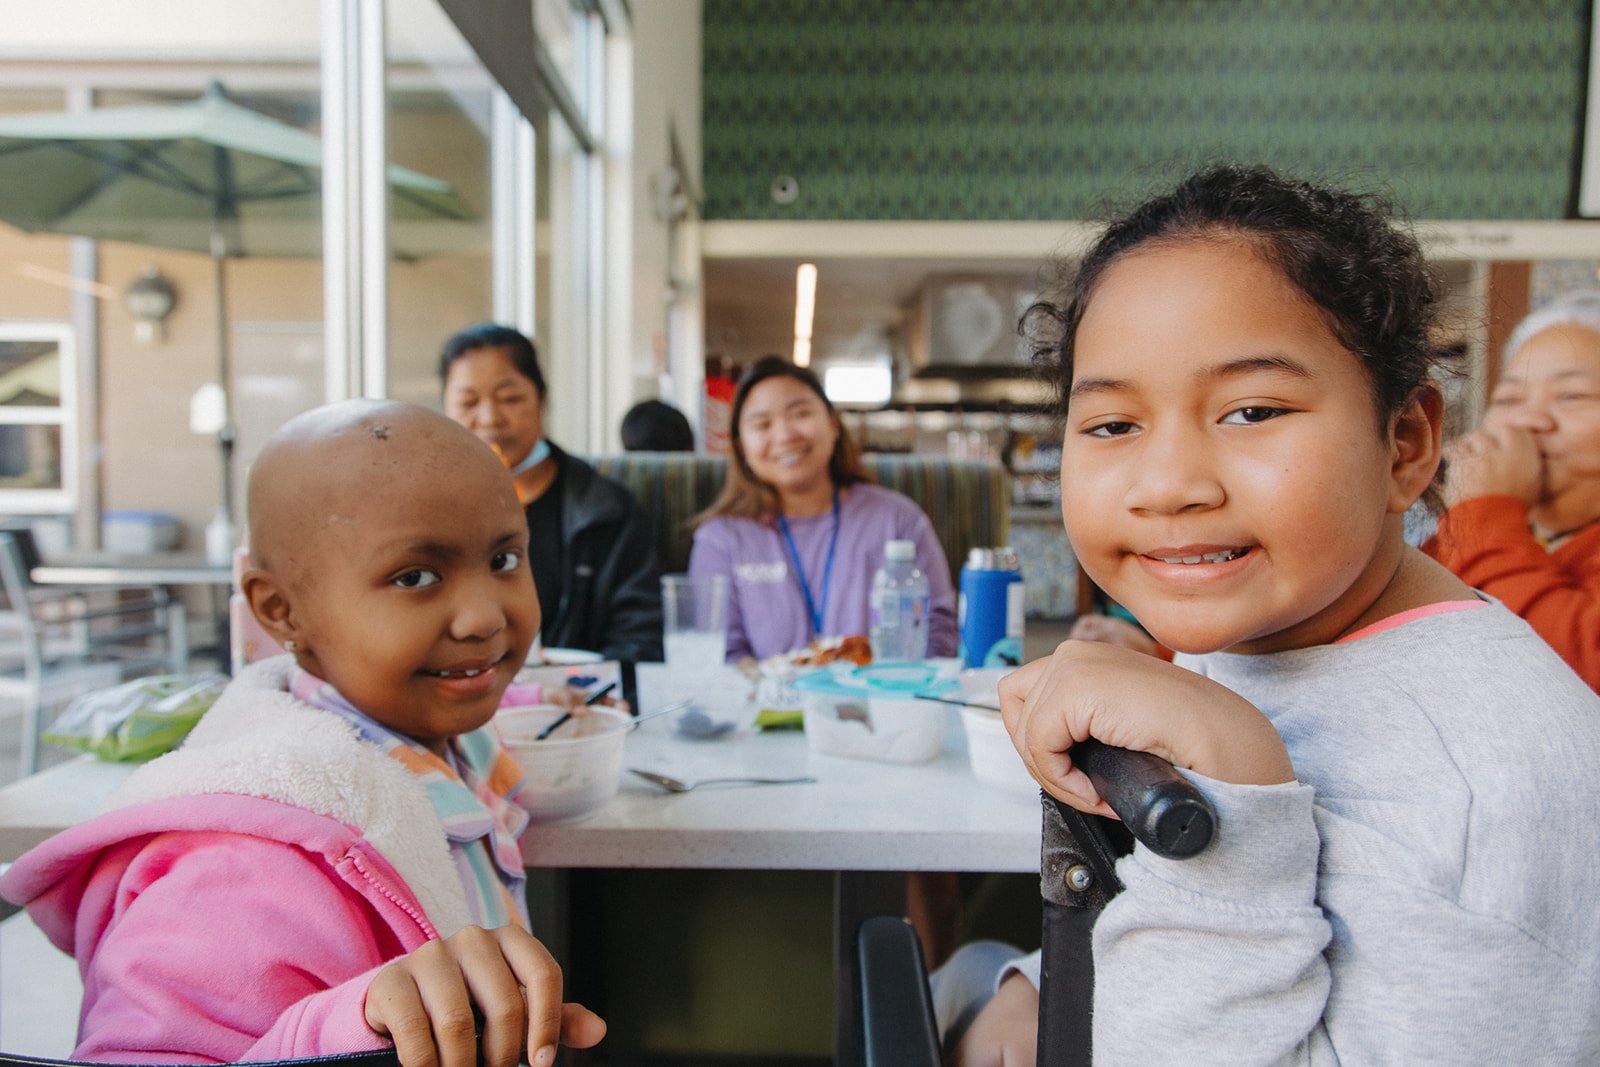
(1425,893)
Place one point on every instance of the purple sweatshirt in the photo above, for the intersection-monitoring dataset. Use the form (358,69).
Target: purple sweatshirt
(767,611)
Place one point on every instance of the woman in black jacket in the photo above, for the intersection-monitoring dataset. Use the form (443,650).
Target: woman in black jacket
(594,564)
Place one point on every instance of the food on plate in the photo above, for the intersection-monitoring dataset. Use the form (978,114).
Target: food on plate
(824,650)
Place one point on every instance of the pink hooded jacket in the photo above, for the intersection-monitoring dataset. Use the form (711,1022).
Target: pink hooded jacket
(238,895)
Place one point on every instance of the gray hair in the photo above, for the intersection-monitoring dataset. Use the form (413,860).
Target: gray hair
(1581,308)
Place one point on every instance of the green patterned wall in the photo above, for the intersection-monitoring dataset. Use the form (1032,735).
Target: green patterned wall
(1044,109)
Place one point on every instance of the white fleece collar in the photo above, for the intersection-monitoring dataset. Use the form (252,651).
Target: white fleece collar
(259,741)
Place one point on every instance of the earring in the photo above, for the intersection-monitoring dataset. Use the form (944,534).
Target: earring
(291,647)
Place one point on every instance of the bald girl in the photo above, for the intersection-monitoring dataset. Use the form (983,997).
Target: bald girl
(390,559)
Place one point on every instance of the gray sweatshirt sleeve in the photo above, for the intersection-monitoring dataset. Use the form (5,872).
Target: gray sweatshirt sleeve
(1218,959)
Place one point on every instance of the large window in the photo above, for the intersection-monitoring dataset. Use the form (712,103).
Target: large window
(485,217)
(441,247)
(37,417)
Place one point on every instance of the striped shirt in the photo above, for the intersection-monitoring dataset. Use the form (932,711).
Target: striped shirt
(471,789)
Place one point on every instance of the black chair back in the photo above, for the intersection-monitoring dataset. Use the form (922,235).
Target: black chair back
(384,1057)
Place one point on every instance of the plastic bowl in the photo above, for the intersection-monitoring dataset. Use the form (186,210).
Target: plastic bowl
(993,757)
(978,684)
(576,770)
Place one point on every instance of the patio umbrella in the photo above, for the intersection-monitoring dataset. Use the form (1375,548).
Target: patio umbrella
(205,175)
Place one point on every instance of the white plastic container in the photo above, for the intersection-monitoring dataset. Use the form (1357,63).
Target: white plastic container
(722,702)
(573,772)
(872,712)
(140,532)
(993,757)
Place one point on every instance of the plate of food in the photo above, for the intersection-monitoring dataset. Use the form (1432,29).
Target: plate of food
(774,676)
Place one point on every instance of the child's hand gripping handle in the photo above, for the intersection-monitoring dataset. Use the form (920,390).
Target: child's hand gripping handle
(1160,807)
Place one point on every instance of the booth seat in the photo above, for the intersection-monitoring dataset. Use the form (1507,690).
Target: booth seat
(968,501)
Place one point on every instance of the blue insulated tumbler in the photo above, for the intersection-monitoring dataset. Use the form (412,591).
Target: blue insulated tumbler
(991,608)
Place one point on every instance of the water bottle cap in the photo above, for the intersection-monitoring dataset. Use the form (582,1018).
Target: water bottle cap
(900,550)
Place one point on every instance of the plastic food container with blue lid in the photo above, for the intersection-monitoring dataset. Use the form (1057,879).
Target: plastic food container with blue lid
(873,712)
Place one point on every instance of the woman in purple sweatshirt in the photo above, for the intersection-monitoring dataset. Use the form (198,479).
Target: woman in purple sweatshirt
(799,530)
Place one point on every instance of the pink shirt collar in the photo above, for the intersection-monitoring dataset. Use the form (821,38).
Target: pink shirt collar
(1442,608)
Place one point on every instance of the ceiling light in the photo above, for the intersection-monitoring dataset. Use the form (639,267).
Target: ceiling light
(805,305)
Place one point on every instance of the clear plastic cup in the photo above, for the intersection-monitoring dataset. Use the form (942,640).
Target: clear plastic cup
(694,617)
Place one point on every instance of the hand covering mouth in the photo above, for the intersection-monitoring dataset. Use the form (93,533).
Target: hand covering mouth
(1196,555)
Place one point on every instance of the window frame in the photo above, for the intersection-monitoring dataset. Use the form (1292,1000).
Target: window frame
(64,415)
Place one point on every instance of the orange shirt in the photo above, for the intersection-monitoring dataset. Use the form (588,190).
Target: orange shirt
(1487,542)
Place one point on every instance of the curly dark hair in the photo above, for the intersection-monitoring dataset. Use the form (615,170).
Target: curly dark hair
(1338,248)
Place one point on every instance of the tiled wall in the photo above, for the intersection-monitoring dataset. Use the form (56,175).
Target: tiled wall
(1048,568)
(1551,278)
(1038,109)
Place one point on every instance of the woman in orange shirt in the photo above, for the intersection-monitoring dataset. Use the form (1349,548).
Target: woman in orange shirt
(1523,491)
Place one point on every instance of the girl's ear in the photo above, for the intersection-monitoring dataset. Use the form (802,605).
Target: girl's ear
(269,603)
(1415,436)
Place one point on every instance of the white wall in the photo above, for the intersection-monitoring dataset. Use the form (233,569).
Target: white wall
(250,30)
(149,29)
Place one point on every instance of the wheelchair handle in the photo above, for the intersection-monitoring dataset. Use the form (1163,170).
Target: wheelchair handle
(1160,807)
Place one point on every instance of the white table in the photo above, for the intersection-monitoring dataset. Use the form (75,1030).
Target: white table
(113,569)
(161,570)
(864,820)
(50,801)
(859,815)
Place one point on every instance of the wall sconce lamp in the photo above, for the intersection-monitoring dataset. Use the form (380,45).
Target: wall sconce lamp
(150,299)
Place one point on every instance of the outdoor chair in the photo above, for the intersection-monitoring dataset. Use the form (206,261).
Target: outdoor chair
(57,642)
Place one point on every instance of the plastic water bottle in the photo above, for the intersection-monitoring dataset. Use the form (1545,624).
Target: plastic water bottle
(897,614)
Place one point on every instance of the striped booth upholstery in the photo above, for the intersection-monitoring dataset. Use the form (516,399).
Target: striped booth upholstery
(968,501)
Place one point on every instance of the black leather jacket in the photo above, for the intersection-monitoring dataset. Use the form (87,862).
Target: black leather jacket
(611,599)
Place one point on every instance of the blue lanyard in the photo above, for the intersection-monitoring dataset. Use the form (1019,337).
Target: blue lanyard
(800,571)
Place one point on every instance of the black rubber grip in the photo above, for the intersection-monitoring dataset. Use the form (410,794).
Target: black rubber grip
(1160,807)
